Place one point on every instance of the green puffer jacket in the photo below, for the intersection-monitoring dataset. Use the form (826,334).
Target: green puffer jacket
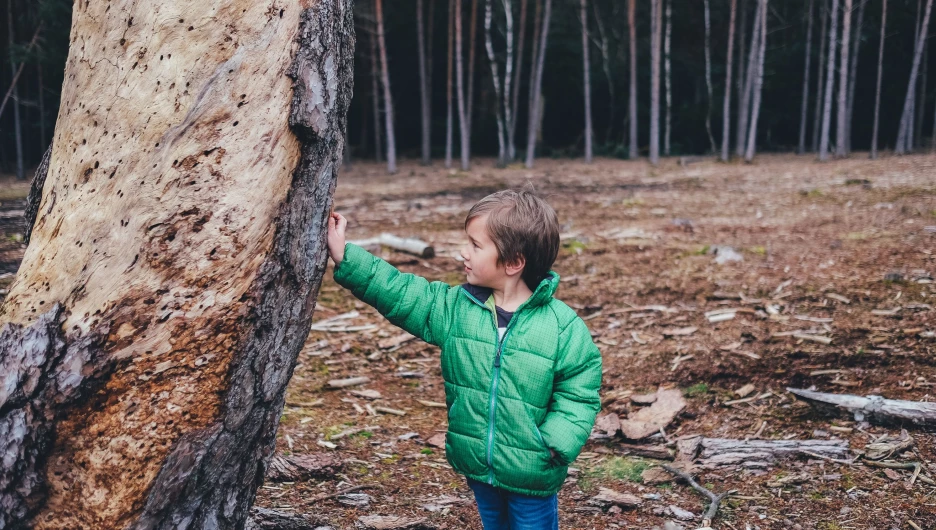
(509,401)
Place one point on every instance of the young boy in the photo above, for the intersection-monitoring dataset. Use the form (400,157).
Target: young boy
(521,371)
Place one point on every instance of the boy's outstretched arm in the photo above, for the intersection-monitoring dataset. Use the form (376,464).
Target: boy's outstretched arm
(575,402)
(408,301)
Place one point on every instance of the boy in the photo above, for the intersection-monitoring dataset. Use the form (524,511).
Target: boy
(521,371)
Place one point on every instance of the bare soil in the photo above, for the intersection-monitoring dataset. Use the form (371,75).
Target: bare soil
(811,235)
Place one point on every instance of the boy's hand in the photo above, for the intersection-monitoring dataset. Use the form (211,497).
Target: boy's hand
(336,237)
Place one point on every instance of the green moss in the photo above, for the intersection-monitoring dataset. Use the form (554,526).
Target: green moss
(426,451)
(620,468)
(698,389)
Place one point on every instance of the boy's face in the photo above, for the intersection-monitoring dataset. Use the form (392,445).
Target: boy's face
(480,254)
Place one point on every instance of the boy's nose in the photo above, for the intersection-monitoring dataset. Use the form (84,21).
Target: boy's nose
(464,253)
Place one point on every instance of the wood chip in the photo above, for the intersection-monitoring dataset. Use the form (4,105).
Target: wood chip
(745,390)
(680,332)
(389,522)
(650,420)
(366,394)
(351,381)
(431,404)
(813,338)
(394,342)
(610,497)
(387,410)
(838,298)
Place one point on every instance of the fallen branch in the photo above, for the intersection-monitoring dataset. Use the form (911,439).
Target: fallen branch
(408,245)
(313,500)
(302,467)
(874,409)
(719,452)
(715,499)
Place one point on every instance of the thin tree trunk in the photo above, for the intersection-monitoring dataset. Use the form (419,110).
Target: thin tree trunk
(508,78)
(143,387)
(656,36)
(804,106)
(460,91)
(429,42)
(853,74)
(536,89)
(903,145)
(388,99)
(583,15)
(632,151)
(534,58)
(708,76)
(829,84)
(880,73)
(842,115)
(667,67)
(472,47)
(921,97)
(42,114)
(515,105)
(911,143)
(448,85)
(495,78)
(606,67)
(744,113)
(820,77)
(17,126)
(375,93)
(743,103)
(758,83)
(423,87)
(726,107)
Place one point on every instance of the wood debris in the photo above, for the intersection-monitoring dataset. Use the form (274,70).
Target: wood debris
(296,468)
(389,522)
(349,432)
(650,420)
(720,452)
(609,497)
(431,404)
(409,245)
(366,394)
(888,446)
(610,424)
(813,338)
(388,410)
(875,409)
(351,381)
(745,390)
(714,500)
(267,519)
(394,342)
(680,332)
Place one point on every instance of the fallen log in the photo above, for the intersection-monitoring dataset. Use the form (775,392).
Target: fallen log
(266,519)
(874,409)
(720,452)
(302,467)
(408,245)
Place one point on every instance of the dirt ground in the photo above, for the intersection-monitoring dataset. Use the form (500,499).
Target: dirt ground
(844,250)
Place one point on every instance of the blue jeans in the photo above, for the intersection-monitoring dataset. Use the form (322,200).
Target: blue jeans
(504,510)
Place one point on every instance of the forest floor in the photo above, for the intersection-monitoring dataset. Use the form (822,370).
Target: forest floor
(844,250)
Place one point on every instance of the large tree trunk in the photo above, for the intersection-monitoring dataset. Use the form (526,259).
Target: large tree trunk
(632,151)
(536,88)
(804,105)
(385,81)
(726,107)
(460,91)
(829,84)
(758,82)
(515,104)
(744,112)
(853,74)
(903,141)
(877,96)
(820,74)
(583,15)
(708,75)
(145,372)
(842,130)
(448,85)
(656,34)
(425,107)
(667,69)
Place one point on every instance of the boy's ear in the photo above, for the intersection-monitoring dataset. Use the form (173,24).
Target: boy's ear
(516,267)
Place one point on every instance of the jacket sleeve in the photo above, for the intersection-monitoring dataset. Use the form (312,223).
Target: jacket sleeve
(575,401)
(408,301)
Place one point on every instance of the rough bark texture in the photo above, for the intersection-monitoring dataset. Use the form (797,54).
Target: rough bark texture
(842,116)
(144,369)
(35,194)
(264,519)
(877,97)
(632,95)
(726,107)
(718,452)
(874,409)
(804,105)
(829,82)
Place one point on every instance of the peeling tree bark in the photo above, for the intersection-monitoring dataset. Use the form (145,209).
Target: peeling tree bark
(174,264)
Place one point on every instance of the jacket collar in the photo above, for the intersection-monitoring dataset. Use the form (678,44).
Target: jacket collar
(541,296)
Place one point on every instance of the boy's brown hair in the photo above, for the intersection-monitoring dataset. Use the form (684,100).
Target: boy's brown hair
(522,225)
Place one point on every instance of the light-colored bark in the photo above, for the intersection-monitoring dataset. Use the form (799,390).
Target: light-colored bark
(375,96)
(804,104)
(921,97)
(603,46)
(758,82)
(820,74)
(744,114)
(449,116)
(656,37)
(534,59)
(470,83)
(515,104)
(905,129)
(667,69)
(853,73)
(508,77)
(632,151)
(17,124)
(583,16)
(385,82)
(744,98)
(880,73)
(842,115)
(149,366)
(424,106)
(726,107)
(829,84)
(495,78)
(464,135)
(708,75)
(535,117)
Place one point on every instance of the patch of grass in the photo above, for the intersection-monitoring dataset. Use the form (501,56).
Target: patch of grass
(574,246)
(702,251)
(620,468)
(633,201)
(363,434)
(829,525)
(760,250)
(816,496)
(426,451)
(812,194)
(698,389)
(856,236)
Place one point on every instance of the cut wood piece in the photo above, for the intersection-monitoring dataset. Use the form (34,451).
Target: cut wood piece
(608,497)
(266,519)
(888,446)
(351,381)
(719,452)
(680,332)
(408,245)
(389,522)
(387,410)
(745,390)
(644,399)
(813,338)
(297,468)
(650,420)
(366,394)
(875,409)
(431,404)
(437,440)
(393,342)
